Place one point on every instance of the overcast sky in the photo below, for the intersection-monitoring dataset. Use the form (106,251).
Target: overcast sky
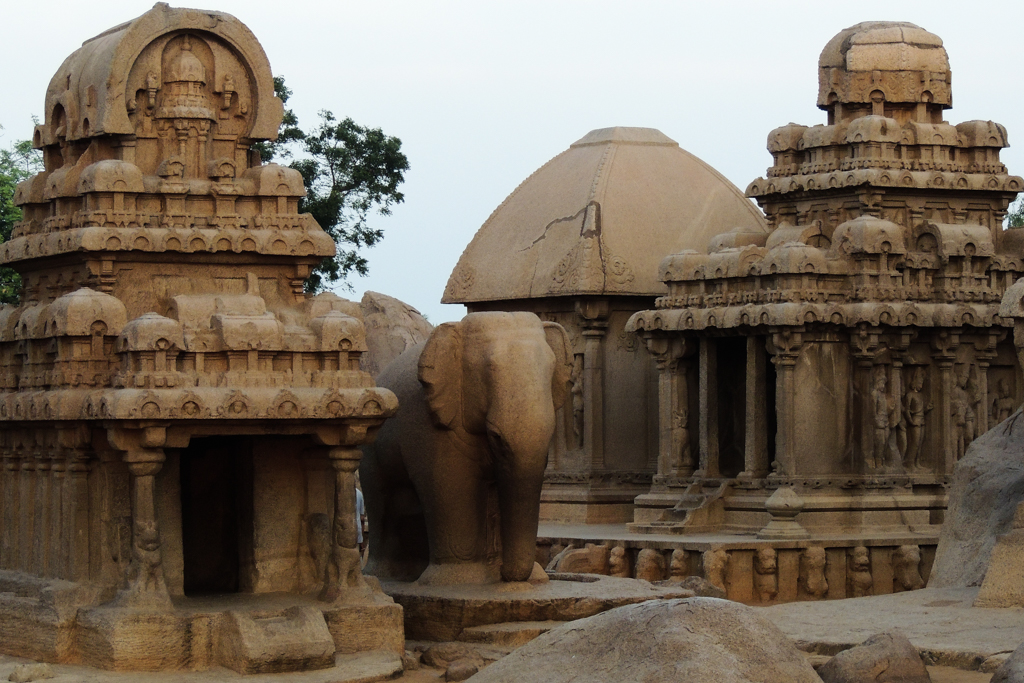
(483,93)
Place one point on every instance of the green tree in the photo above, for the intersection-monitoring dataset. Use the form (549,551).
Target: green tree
(17,162)
(1015,216)
(350,171)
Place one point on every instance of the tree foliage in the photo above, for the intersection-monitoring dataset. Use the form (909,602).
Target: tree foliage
(350,172)
(17,163)
(1015,216)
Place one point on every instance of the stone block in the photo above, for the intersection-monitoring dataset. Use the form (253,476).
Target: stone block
(362,628)
(296,639)
(133,640)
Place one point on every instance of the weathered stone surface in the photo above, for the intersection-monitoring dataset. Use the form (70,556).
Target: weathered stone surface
(392,327)
(702,587)
(1012,670)
(442,655)
(295,640)
(591,559)
(698,639)
(884,658)
(460,670)
(25,673)
(444,613)
(988,485)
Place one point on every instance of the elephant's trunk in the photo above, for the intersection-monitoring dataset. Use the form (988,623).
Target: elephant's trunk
(520,475)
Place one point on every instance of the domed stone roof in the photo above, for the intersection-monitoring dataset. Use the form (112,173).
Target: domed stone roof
(901,61)
(598,219)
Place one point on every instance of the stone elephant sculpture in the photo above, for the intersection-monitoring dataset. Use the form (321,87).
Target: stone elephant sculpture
(458,471)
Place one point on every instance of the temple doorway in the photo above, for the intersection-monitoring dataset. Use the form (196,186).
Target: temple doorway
(216,514)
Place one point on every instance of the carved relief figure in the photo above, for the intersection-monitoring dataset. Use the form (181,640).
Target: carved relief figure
(715,563)
(812,572)
(618,562)
(915,408)
(650,565)
(861,583)
(906,567)
(882,403)
(766,582)
(1003,404)
(682,459)
(576,379)
(960,412)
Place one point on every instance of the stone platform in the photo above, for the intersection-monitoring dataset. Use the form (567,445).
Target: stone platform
(941,623)
(61,622)
(885,573)
(443,613)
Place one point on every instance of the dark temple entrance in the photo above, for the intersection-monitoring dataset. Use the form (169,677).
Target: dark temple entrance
(216,513)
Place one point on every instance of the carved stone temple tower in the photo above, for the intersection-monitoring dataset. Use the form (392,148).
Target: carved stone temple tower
(578,243)
(177,418)
(853,352)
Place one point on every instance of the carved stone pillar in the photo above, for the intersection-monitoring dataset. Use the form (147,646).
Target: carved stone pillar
(12,499)
(76,517)
(984,354)
(675,458)
(146,586)
(42,512)
(708,401)
(944,345)
(26,507)
(863,346)
(755,457)
(58,543)
(343,568)
(784,345)
(593,315)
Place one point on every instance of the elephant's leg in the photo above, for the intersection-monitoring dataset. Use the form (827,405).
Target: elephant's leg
(519,489)
(398,548)
(454,505)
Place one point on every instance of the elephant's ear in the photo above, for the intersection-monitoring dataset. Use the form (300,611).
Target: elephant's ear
(558,340)
(440,372)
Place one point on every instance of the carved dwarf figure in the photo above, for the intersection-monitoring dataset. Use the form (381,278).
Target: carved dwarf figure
(1003,404)
(915,408)
(650,565)
(861,582)
(766,582)
(812,572)
(618,562)
(678,565)
(715,563)
(906,567)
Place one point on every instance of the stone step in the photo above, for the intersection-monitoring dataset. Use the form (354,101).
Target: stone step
(294,639)
(509,633)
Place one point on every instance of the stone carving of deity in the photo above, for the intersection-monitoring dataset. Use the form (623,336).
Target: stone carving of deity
(962,410)
(915,409)
(1003,404)
(681,458)
(883,408)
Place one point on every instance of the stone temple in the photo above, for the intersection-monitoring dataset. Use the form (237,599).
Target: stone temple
(578,243)
(818,377)
(178,420)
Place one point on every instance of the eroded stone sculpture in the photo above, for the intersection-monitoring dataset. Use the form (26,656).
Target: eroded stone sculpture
(812,572)
(906,565)
(715,563)
(478,402)
(650,565)
(766,581)
(173,407)
(860,580)
(618,563)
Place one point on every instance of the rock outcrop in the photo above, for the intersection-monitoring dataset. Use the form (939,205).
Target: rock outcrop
(392,326)
(883,658)
(988,484)
(694,640)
